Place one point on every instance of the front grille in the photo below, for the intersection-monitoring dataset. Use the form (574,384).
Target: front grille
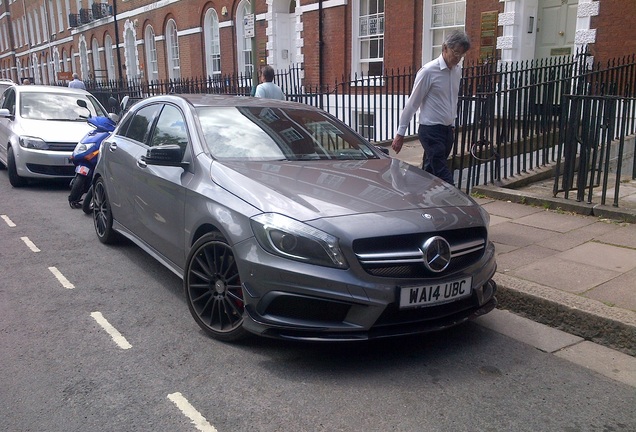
(402,256)
(62,146)
(58,170)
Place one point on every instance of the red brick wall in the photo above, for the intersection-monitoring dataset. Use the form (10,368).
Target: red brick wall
(615,34)
(474,10)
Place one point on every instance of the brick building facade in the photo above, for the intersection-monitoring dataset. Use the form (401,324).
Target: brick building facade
(47,40)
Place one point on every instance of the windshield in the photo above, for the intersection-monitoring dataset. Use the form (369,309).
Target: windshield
(58,106)
(257,133)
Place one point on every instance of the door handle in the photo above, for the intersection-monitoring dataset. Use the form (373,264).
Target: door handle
(561,33)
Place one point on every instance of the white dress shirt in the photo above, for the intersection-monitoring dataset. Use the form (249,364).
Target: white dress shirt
(435,92)
(269,90)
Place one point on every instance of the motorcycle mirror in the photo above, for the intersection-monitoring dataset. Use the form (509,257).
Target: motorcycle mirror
(83,104)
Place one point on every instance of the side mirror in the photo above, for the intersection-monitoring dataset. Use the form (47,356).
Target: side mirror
(5,113)
(165,155)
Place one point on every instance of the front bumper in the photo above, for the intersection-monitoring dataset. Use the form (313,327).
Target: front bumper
(320,304)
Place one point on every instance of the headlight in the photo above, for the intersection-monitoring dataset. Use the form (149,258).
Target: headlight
(485,215)
(295,240)
(34,143)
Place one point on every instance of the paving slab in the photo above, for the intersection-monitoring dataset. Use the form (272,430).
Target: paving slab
(563,274)
(555,221)
(608,362)
(521,257)
(514,234)
(621,236)
(618,291)
(540,336)
(509,209)
(602,256)
(570,239)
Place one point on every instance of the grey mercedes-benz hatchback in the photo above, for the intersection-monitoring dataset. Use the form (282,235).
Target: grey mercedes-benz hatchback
(284,222)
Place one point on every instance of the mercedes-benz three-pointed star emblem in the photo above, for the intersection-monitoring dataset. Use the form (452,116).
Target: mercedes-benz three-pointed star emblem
(437,254)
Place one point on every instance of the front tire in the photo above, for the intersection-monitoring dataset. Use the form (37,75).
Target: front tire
(102,214)
(87,205)
(14,178)
(213,288)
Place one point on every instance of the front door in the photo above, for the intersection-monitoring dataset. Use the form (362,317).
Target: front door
(556,27)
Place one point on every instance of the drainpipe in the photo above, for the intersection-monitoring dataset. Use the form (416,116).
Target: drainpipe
(320,46)
(119,70)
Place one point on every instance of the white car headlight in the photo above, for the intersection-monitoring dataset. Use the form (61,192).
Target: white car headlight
(34,143)
(289,238)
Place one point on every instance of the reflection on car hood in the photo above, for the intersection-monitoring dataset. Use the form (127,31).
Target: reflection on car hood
(316,189)
(54,131)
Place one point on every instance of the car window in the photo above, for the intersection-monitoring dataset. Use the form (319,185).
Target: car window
(56,106)
(259,133)
(140,123)
(170,129)
(8,100)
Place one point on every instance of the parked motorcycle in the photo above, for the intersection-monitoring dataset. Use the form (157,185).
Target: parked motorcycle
(85,155)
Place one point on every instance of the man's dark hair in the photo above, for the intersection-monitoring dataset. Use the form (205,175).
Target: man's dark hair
(458,39)
(268,73)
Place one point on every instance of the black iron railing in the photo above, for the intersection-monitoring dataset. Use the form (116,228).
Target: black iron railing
(512,117)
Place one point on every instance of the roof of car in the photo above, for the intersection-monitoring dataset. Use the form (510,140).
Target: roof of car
(49,89)
(217,100)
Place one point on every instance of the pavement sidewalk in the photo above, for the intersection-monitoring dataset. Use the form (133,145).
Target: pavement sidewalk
(563,267)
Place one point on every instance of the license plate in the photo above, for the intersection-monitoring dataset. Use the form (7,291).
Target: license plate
(427,295)
(81,169)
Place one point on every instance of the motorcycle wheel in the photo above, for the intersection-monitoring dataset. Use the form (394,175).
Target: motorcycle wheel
(77,189)
(87,205)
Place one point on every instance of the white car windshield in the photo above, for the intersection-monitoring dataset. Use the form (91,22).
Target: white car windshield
(57,107)
(258,133)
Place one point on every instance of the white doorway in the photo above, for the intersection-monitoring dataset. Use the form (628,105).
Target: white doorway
(556,28)
(285,35)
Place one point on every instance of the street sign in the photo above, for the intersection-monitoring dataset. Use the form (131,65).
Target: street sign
(248,26)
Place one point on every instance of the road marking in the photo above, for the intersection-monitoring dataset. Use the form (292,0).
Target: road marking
(60,277)
(188,410)
(112,331)
(8,221)
(30,244)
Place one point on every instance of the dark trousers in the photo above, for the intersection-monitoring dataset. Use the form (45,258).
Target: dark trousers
(437,141)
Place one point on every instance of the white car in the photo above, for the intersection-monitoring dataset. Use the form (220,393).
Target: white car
(39,128)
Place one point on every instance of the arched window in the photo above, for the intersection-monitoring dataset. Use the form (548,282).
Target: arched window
(212,43)
(110,61)
(65,67)
(83,58)
(151,54)
(244,44)
(172,50)
(97,64)
(130,52)
(56,64)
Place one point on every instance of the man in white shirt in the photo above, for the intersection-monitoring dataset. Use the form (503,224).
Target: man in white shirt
(77,83)
(267,89)
(435,92)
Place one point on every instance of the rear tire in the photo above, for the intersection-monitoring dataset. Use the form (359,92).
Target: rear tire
(14,178)
(77,189)
(102,214)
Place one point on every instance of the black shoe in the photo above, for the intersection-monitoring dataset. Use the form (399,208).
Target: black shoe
(75,204)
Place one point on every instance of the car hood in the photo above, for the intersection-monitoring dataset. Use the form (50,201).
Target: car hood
(53,131)
(316,189)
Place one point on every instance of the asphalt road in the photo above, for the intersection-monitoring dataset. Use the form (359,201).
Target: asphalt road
(99,338)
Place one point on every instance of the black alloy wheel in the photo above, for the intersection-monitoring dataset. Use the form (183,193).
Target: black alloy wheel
(102,214)
(213,288)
